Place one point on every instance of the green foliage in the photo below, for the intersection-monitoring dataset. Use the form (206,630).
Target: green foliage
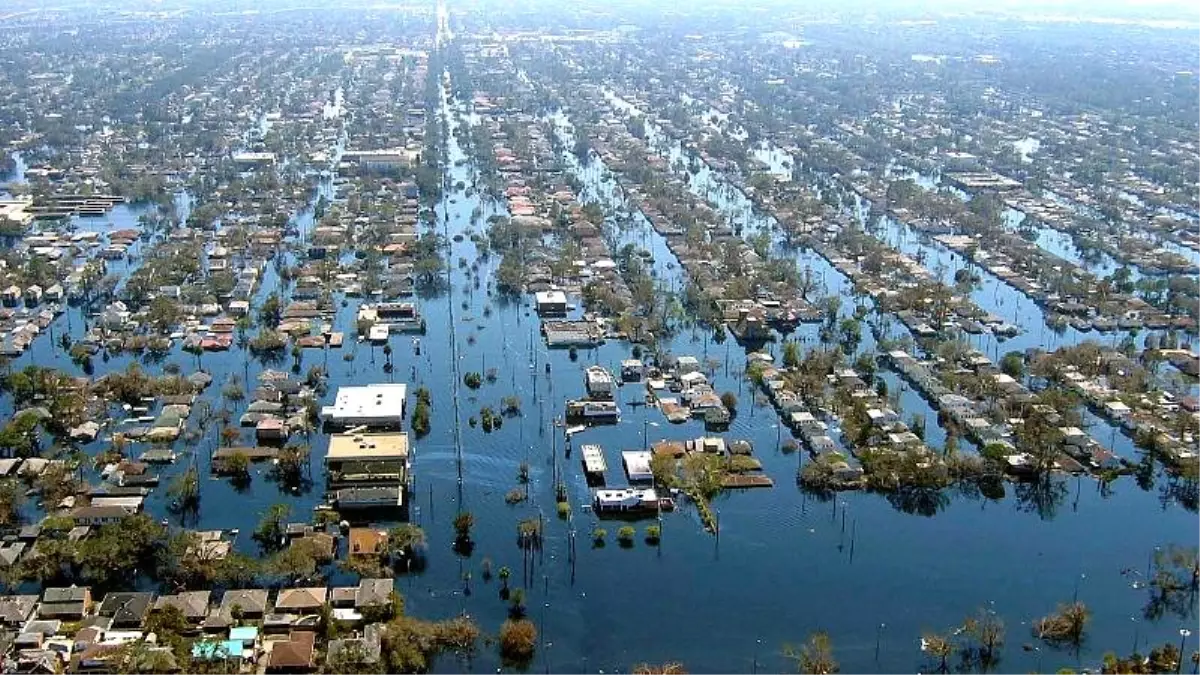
(663,467)
(703,472)
(291,467)
(272,528)
(406,539)
(238,464)
(12,498)
(268,340)
(408,644)
(19,435)
(473,380)
(420,417)
(271,311)
(117,552)
(1013,365)
(296,563)
(185,490)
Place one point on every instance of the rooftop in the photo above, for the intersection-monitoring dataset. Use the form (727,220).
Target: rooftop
(368,446)
(369,404)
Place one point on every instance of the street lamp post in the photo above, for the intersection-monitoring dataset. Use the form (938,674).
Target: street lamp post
(1183,636)
(757,644)
(1136,632)
(878,637)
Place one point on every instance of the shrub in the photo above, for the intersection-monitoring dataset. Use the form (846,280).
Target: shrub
(598,536)
(625,535)
(653,534)
(1066,625)
(473,380)
(564,510)
(420,418)
(517,640)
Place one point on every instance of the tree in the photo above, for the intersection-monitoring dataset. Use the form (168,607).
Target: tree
(56,483)
(420,418)
(662,465)
(938,646)
(463,523)
(405,540)
(352,656)
(730,401)
(1067,625)
(12,498)
(270,313)
(120,551)
(815,655)
(1013,365)
(238,465)
(185,491)
(518,639)
(230,435)
(168,625)
(295,563)
(408,643)
(291,469)
(987,631)
(164,313)
(272,528)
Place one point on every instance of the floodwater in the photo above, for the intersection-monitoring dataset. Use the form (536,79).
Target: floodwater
(785,564)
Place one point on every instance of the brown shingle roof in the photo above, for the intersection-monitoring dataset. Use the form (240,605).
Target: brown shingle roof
(294,654)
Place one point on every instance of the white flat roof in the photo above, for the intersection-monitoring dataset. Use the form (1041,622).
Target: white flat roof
(544,297)
(637,464)
(379,403)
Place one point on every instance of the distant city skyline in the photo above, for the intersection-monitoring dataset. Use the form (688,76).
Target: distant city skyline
(1188,13)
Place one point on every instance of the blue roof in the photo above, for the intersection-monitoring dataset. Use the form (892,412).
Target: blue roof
(209,649)
(243,633)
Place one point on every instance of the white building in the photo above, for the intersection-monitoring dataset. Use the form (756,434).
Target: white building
(687,364)
(253,158)
(551,303)
(382,160)
(373,405)
(637,465)
(599,383)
